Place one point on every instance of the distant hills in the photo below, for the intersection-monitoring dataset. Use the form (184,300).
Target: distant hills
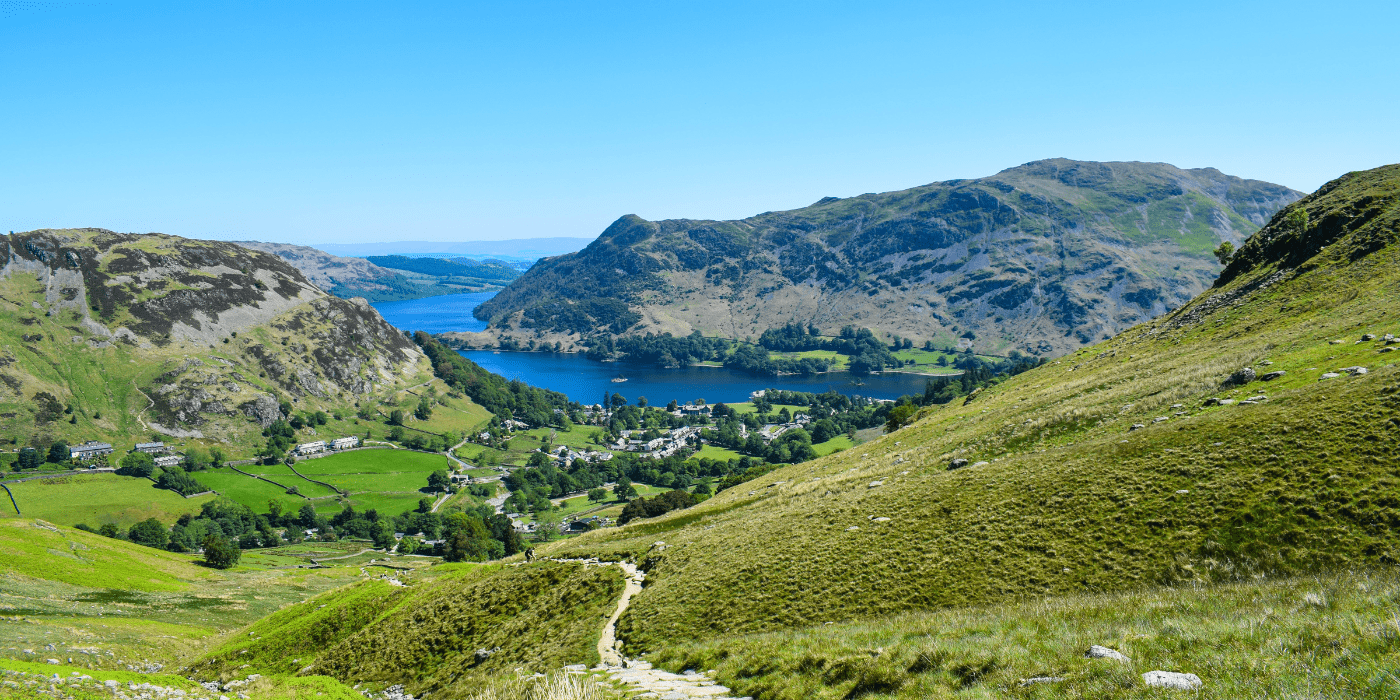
(391,277)
(511,249)
(1042,258)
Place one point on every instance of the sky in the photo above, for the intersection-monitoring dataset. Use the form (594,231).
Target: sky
(341,122)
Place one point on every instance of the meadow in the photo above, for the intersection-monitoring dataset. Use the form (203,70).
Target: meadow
(97,499)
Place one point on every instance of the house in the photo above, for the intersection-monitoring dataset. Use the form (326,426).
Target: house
(89,450)
(169,460)
(345,443)
(307,448)
(152,448)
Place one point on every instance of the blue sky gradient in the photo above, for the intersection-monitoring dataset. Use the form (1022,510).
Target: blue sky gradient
(320,122)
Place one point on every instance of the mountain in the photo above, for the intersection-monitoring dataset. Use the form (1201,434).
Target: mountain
(110,336)
(395,278)
(1043,258)
(511,249)
(1150,492)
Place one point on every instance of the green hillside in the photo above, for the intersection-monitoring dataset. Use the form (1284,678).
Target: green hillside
(536,618)
(126,338)
(1105,470)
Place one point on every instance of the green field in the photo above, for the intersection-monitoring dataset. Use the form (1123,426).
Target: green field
(97,499)
(254,493)
(385,480)
(722,454)
(837,443)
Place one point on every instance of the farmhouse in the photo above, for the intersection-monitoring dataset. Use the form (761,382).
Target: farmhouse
(169,460)
(152,448)
(307,448)
(89,449)
(345,443)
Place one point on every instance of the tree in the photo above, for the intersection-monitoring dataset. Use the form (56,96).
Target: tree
(58,452)
(424,410)
(138,464)
(547,524)
(641,402)
(383,535)
(900,416)
(438,481)
(396,417)
(216,456)
(597,495)
(624,489)
(221,553)
(1225,252)
(111,530)
(28,459)
(306,516)
(149,532)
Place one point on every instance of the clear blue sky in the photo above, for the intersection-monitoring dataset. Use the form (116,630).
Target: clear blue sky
(319,122)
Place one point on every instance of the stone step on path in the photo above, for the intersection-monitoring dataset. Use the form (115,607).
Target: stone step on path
(643,681)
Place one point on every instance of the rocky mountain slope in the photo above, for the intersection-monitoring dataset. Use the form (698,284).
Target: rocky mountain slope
(115,336)
(1044,258)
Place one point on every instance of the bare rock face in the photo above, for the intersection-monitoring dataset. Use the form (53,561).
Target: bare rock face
(264,409)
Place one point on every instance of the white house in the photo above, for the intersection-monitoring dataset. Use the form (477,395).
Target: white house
(152,448)
(168,460)
(345,443)
(89,449)
(307,448)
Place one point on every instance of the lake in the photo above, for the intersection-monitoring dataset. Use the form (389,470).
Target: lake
(585,381)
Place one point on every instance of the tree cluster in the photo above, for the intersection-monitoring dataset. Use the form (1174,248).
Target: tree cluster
(656,505)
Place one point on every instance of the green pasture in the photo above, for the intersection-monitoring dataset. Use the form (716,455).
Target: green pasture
(722,454)
(840,442)
(251,492)
(97,499)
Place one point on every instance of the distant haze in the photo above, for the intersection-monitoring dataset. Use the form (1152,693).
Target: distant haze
(513,248)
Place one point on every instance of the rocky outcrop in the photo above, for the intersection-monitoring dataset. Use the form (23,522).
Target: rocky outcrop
(230,332)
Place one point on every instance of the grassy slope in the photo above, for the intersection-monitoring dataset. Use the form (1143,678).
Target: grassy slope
(96,499)
(38,550)
(1074,501)
(1329,636)
(541,616)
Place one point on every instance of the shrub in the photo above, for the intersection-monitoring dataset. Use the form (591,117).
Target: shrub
(221,553)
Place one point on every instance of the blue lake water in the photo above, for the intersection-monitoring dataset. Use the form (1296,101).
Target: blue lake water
(440,314)
(585,381)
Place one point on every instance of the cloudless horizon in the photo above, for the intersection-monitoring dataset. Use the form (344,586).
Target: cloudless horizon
(358,122)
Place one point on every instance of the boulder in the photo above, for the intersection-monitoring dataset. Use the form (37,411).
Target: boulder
(978,464)
(1353,370)
(1388,349)
(1098,652)
(1328,375)
(1274,375)
(1170,679)
(1243,376)
(1136,426)
(1212,401)
(957,464)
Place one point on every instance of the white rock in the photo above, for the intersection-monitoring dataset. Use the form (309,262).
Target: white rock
(1329,375)
(875,484)
(1169,679)
(853,528)
(1183,492)
(1098,652)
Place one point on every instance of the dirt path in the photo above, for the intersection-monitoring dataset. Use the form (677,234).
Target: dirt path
(639,676)
(607,643)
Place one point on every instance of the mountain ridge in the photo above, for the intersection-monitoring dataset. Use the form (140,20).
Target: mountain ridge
(1042,258)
